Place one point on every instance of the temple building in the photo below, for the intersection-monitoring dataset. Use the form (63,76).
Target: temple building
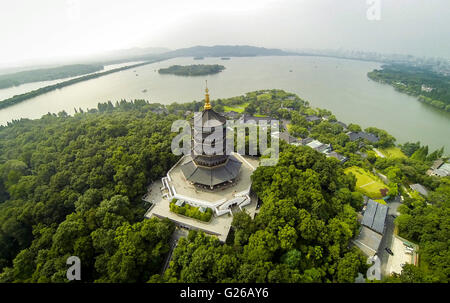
(215,169)
(207,177)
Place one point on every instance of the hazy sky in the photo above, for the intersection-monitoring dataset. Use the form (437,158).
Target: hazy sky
(31,29)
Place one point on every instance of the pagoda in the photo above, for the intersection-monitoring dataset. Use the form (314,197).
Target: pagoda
(213,169)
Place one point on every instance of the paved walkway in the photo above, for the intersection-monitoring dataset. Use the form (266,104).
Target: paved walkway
(389,240)
(173,242)
(367,184)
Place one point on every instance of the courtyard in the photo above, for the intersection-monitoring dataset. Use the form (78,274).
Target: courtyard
(219,225)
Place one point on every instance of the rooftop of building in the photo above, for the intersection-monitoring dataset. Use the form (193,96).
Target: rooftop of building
(210,176)
(363,135)
(242,183)
(314,144)
(312,118)
(375,216)
(208,118)
(437,164)
(337,156)
(368,241)
(286,137)
(419,188)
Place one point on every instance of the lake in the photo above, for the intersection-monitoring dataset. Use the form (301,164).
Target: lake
(27,87)
(339,85)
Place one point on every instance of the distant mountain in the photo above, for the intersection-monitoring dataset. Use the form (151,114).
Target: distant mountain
(104,58)
(132,53)
(125,55)
(156,54)
(207,51)
(227,51)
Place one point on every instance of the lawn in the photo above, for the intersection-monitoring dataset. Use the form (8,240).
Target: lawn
(392,152)
(366,183)
(238,109)
(381,201)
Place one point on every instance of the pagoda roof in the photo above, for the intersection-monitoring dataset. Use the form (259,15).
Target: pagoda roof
(211,176)
(209,118)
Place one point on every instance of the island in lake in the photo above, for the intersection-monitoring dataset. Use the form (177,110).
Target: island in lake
(193,70)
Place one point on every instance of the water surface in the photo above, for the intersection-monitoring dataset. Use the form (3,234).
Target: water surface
(339,85)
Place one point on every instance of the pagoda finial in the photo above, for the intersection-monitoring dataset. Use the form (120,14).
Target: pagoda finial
(207,104)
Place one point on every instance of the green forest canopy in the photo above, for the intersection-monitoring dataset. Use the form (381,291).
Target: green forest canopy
(73,186)
(409,79)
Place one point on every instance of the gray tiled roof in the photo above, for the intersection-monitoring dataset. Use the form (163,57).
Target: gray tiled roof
(380,218)
(368,241)
(340,123)
(306,141)
(337,156)
(420,188)
(288,138)
(375,216)
(312,118)
(363,135)
(209,118)
(211,176)
(437,164)
(369,214)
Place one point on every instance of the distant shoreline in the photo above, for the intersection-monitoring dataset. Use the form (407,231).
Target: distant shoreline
(43,90)
(48,74)
(46,89)
(428,87)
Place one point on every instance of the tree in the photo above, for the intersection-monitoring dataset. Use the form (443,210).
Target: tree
(409,148)
(292,258)
(261,247)
(298,131)
(140,248)
(420,154)
(349,266)
(354,127)
(68,184)
(287,237)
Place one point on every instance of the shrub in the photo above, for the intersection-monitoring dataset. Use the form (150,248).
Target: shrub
(191,211)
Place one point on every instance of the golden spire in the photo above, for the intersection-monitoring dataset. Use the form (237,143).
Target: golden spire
(207,104)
